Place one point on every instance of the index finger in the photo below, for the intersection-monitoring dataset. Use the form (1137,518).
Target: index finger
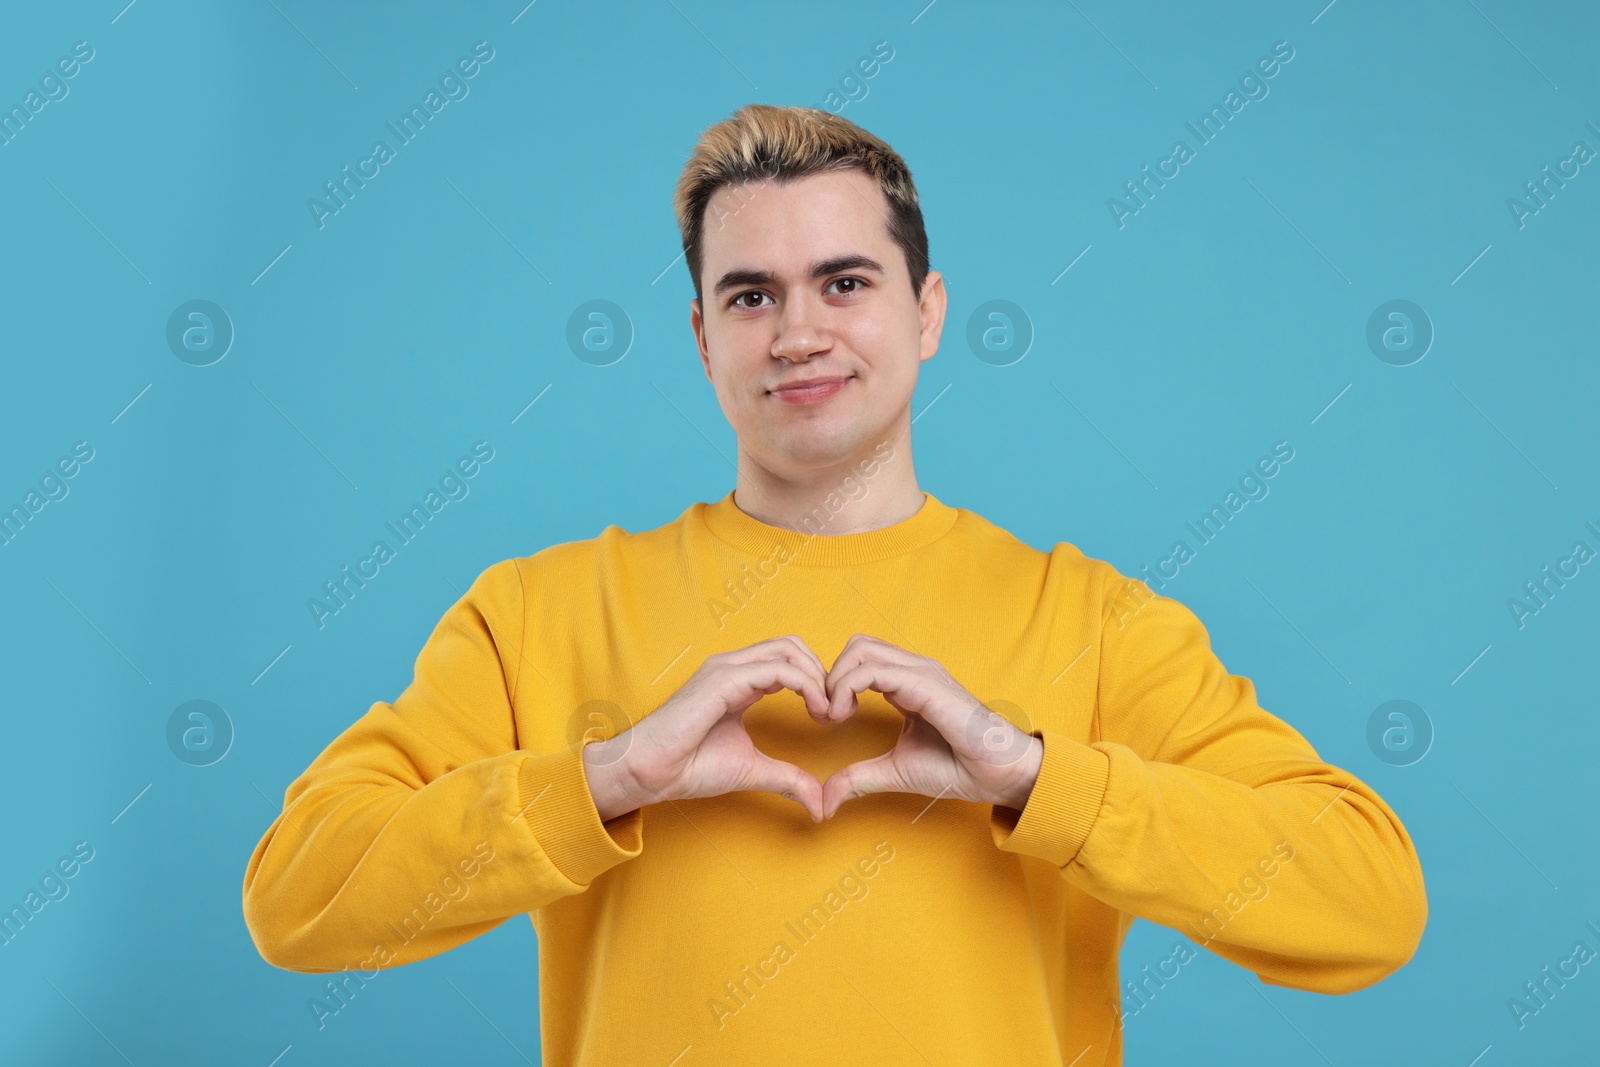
(805,648)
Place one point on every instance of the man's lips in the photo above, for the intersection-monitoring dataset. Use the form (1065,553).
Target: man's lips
(811,390)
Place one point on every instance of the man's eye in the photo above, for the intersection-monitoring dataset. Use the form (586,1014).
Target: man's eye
(739,300)
(856,284)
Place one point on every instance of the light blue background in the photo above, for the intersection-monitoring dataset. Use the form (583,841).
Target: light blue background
(1227,315)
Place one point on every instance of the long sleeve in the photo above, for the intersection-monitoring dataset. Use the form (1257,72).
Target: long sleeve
(1197,809)
(424,824)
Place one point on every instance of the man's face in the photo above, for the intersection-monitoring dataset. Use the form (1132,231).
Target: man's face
(802,282)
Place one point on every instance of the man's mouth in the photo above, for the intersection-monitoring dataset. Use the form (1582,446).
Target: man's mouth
(811,390)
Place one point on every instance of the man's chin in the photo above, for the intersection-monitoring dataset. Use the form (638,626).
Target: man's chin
(810,448)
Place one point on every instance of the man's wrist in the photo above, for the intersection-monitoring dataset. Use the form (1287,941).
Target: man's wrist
(611,782)
(1027,767)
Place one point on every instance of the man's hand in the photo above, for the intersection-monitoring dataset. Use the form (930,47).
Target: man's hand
(695,744)
(951,744)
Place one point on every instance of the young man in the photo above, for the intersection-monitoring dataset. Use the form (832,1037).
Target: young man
(828,770)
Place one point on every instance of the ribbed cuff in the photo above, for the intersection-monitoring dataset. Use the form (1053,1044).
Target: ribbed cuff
(1063,806)
(554,797)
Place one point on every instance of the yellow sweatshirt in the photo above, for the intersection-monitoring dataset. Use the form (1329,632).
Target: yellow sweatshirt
(904,930)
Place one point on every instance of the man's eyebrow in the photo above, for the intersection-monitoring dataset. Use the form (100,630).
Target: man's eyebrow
(820,269)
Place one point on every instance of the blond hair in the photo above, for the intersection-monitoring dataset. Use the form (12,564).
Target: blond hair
(764,142)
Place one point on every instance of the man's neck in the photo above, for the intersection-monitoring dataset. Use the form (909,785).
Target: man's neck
(877,489)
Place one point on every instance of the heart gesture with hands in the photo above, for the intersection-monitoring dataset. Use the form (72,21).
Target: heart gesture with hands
(695,744)
(951,745)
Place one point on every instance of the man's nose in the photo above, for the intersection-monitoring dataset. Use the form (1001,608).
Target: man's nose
(799,334)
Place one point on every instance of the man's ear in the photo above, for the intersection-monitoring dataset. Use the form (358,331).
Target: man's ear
(698,325)
(932,308)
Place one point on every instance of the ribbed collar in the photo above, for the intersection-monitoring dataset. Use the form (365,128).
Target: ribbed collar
(726,522)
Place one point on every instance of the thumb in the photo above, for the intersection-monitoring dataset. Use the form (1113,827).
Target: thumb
(785,779)
(875,775)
